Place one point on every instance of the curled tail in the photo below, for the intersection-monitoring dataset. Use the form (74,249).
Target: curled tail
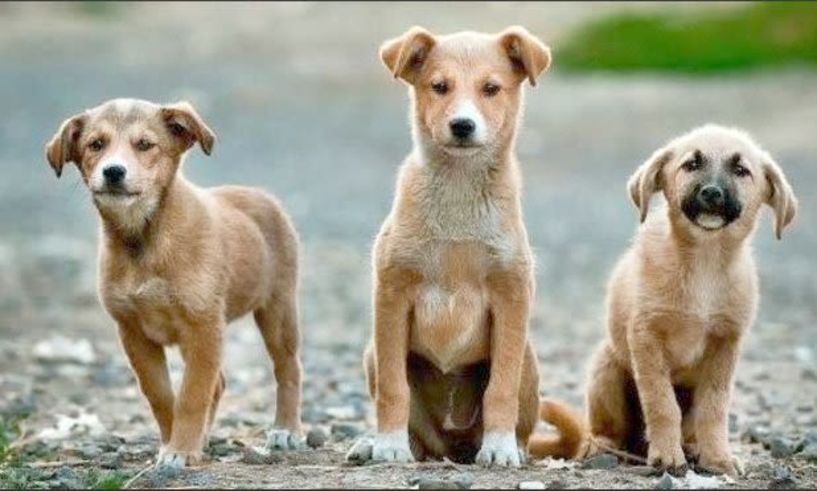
(571,440)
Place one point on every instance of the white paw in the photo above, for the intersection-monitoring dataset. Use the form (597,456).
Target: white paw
(169,461)
(500,449)
(392,447)
(281,439)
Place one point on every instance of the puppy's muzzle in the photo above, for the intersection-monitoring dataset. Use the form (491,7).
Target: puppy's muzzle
(709,201)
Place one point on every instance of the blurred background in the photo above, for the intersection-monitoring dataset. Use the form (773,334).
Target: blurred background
(303,108)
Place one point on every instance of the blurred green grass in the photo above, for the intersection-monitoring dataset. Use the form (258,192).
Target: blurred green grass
(757,35)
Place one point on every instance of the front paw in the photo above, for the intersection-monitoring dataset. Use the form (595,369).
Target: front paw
(667,457)
(282,439)
(392,447)
(721,464)
(171,461)
(499,449)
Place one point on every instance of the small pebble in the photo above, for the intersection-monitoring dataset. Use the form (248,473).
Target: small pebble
(665,482)
(781,447)
(316,438)
(531,485)
(602,461)
(343,430)
(809,453)
(755,434)
(782,478)
(259,456)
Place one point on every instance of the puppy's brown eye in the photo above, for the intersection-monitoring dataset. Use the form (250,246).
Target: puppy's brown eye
(740,170)
(440,87)
(490,89)
(96,145)
(144,145)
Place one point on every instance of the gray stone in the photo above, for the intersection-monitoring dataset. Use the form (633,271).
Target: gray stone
(221,449)
(755,434)
(665,482)
(259,456)
(68,478)
(557,484)
(344,430)
(781,447)
(111,460)
(809,453)
(601,462)
(90,451)
(782,478)
(316,438)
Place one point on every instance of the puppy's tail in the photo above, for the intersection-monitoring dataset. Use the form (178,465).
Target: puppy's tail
(572,439)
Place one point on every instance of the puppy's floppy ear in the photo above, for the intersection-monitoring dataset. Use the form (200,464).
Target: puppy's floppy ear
(647,179)
(63,145)
(185,123)
(529,55)
(781,196)
(405,55)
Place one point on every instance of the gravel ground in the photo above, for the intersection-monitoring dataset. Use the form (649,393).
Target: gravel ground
(303,108)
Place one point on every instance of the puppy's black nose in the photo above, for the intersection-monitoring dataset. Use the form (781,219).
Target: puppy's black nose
(114,174)
(462,127)
(711,196)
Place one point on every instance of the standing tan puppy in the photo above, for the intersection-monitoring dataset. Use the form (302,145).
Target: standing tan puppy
(450,366)
(681,299)
(177,263)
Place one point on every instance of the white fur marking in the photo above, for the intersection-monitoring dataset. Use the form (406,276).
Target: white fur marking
(468,110)
(499,448)
(392,447)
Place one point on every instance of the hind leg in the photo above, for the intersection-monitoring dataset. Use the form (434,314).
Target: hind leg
(607,406)
(688,433)
(278,322)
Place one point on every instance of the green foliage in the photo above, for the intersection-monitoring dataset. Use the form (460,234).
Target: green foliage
(105,480)
(16,473)
(9,432)
(757,35)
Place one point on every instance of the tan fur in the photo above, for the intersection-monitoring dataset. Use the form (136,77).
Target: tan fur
(453,283)
(178,262)
(679,303)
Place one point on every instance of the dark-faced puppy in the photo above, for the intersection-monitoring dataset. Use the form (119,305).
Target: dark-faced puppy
(681,299)
(178,262)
